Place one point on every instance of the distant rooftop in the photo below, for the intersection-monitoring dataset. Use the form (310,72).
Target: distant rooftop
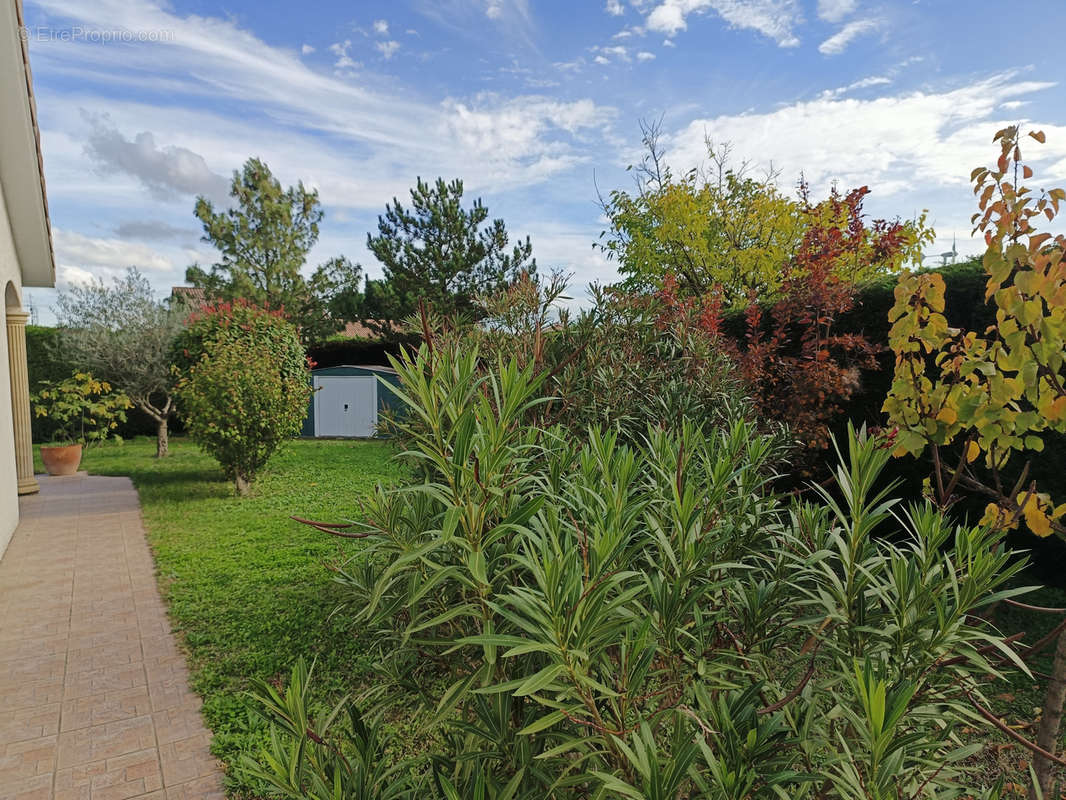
(191,296)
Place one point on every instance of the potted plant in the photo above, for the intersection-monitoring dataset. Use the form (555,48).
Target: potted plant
(84,410)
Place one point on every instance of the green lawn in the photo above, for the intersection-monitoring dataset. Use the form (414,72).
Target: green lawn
(246,585)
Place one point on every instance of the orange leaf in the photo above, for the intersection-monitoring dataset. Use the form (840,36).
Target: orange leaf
(1038,135)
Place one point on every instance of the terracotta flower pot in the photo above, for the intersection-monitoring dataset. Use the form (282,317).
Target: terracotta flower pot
(61,460)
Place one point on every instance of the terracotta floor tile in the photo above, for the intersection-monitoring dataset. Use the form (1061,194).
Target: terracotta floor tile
(110,740)
(31,722)
(206,788)
(187,759)
(101,708)
(39,787)
(93,687)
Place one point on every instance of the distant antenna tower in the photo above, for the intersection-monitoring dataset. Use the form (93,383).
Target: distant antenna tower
(950,256)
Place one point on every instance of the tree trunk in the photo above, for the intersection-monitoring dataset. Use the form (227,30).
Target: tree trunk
(1048,736)
(242,484)
(162,442)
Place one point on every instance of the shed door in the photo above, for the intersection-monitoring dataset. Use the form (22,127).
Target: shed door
(345,405)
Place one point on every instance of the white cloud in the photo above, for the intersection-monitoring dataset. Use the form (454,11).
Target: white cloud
(644,55)
(74,276)
(894,143)
(387,49)
(835,10)
(873,80)
(607,54)
(615,8)
(78,252)
(515,129)
(344,61)
(862,83)
(772,18)
(226,89)
(839,41)
(307,49)
(381,27)
(494,9)
(668,43)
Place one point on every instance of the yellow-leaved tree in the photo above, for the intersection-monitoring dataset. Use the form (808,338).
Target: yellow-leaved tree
(981,402)
(717,229)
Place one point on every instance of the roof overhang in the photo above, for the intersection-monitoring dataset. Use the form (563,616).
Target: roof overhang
(21,167)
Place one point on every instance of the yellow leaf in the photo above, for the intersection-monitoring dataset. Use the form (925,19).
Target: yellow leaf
(948,415)
(1055,410)
(973,450)
(997,517)
(1037,520)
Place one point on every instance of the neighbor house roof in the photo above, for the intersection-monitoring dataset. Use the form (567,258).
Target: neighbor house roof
(359,330)
(21,164)
(192,296)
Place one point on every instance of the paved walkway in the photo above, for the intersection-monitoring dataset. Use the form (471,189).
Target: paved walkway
(94,696)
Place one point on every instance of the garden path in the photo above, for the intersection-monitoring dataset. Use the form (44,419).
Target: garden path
(94,694)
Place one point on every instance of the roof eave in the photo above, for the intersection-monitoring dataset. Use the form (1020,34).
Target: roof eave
(21,165)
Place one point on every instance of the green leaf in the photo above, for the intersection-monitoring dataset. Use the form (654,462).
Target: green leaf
(546,721)
(540,680)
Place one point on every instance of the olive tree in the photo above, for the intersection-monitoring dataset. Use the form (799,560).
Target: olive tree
(123,334)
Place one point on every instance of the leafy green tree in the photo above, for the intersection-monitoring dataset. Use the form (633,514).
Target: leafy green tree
(442,254)
(244,386)
(123,334)
(336,288)
(718,229)
(263,241)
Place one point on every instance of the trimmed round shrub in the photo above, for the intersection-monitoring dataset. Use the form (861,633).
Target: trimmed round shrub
(244,386)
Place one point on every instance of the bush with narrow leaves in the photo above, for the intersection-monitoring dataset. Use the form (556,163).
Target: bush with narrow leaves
(585,617)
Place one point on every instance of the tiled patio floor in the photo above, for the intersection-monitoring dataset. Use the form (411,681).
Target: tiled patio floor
(94,696)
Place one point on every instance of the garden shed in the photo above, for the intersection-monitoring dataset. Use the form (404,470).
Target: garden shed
(347,400)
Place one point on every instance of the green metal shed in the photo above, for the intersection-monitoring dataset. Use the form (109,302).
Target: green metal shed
(346,401)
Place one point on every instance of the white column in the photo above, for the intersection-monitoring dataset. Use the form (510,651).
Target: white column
(20,400)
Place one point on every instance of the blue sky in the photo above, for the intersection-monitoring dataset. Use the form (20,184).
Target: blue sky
(143,105)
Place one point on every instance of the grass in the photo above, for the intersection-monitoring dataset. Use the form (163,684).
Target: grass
(246,585)
(249,593)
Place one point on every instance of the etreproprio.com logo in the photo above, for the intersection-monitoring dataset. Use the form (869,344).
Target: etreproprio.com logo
(43,33)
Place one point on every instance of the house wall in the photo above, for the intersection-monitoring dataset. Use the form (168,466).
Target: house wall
(10,284)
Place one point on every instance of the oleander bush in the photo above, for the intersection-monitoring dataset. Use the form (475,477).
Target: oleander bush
(616,364)
(593,616)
